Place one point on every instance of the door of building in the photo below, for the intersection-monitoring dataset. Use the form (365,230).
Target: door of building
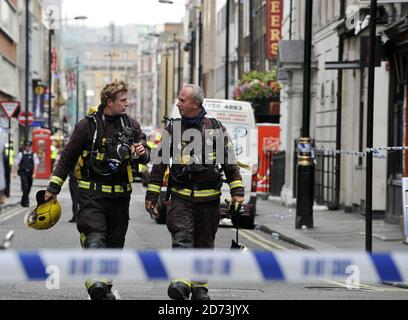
(395,158)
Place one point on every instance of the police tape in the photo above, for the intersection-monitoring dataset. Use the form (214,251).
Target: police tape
(375,151)
(217,265)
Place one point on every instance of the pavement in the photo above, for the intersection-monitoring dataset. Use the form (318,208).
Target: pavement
(15,193)
(333,230)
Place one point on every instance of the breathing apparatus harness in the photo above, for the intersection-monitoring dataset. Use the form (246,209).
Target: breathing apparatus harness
(184,176)
(118,147)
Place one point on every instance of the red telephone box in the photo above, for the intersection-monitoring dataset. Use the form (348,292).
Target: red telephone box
(42,147)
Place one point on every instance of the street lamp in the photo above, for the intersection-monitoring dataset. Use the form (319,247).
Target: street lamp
(227,47)
(50,34)
(27,64)
(305,166)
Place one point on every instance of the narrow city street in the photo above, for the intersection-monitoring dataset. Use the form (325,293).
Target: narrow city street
(145,234)
(294,113)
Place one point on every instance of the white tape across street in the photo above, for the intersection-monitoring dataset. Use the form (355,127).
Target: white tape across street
(375,151)
(219,265)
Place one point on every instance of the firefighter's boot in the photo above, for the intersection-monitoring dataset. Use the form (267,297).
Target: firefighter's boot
(200,293)
(179,290)
(99,290)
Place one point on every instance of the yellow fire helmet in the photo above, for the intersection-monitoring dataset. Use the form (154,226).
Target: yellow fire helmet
(92,111)
(45,215)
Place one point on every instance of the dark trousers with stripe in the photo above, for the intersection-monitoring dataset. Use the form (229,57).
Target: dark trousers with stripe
(193,225)
(102,220)
(26,184)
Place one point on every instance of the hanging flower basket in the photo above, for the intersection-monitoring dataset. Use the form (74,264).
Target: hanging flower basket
(260,88)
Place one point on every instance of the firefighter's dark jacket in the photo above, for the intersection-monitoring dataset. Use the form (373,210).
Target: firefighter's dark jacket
(78,150)
(203,186)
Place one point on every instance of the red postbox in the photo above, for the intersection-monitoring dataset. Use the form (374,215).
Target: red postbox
(42,147)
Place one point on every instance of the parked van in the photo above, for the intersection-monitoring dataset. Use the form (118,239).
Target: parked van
(239,120)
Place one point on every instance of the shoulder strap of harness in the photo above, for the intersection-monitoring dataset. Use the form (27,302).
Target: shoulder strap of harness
(216,124)
(95,126)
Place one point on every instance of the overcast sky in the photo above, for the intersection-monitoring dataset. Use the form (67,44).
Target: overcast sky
(102,12)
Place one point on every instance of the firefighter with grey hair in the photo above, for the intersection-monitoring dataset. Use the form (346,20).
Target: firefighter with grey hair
(193,212)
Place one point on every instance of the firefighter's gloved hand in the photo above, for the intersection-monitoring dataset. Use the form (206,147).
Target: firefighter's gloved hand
(49,195)
(234,208)
(238,199)
(138,150)
(152,208)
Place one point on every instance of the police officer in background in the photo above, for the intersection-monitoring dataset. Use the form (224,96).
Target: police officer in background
(103,148)
(194,211)
(27,168)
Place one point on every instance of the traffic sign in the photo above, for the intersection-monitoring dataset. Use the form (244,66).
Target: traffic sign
(22,118)
(10,107)
(39,90)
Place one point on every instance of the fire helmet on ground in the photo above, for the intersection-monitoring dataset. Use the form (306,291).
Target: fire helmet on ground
(45,215)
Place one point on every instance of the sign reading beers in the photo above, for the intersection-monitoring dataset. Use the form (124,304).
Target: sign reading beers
(274,9)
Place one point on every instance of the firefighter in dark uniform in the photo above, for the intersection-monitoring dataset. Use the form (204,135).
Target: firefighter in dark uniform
(103,148)
(27,168)
(194,211)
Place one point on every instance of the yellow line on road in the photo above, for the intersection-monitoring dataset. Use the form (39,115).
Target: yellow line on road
(268,242)
(337,283)
(386,289)
(268,245)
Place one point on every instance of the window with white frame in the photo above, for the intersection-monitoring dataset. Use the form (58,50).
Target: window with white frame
(8,18)
(8,82)
(247,63)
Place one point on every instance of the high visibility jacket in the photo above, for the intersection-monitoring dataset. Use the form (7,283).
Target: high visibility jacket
(6,153)
(54,152)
